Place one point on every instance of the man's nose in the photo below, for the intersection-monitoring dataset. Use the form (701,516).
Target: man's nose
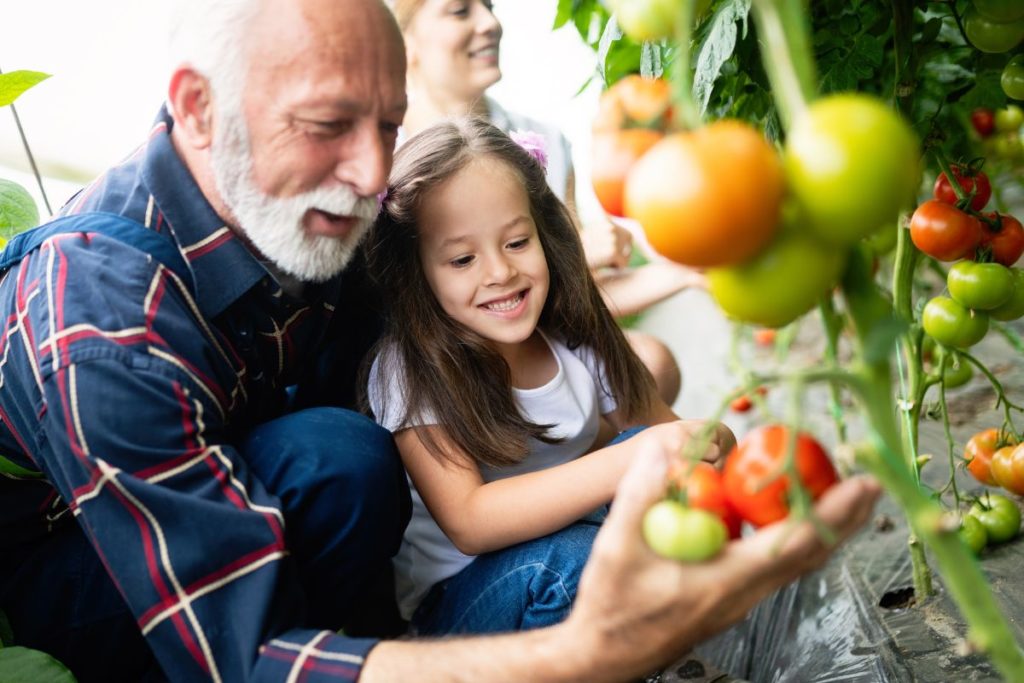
(365,162)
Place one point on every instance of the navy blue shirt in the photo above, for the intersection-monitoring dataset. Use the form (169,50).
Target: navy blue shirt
(121,396)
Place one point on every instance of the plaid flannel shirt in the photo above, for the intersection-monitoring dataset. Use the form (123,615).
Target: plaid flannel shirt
(127,392)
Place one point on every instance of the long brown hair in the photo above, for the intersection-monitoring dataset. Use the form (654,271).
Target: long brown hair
(449,371)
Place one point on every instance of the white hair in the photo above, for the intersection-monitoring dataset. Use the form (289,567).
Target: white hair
(209,35)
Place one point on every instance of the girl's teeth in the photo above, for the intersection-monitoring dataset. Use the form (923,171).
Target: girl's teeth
(506,305)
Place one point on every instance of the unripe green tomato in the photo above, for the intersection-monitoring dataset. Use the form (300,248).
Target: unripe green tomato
(646,19)
(787,279)
(852,163)
(1012,78)
(680,533)
(1009,119)
(1008,146)
(981,286)
(999,515)
(1000,10)
(1014,306)
(992,36)
(952,325)
(973,534)
(883,240)
(957,373)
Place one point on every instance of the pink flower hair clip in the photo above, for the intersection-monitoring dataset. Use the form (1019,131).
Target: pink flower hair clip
(533,143)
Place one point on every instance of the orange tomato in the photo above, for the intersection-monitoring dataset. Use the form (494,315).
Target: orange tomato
(709,198)
(704,491)
(1008,468)
(978,454)
(634,101)
(612,155)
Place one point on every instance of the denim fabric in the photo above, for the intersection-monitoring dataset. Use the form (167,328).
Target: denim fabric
(321,464)
(525,586)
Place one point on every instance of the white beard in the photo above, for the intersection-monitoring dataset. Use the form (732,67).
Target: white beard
(274,224)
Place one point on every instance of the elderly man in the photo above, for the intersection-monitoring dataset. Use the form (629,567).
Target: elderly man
(170,511)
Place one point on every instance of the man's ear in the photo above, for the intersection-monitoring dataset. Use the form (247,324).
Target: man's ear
(191,103)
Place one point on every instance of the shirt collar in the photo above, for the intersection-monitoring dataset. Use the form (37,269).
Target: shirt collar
(223,267)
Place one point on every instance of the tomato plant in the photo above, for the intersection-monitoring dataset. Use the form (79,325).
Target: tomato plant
(844,179)
(992,36)
(953,325)
(999,515)
(1012,79)
(1006,245)
(707,198)
(975,184)
(973,533)
(1008,468)
(681,533)
(943,231)
(980,286)
(755,483)
(978,454)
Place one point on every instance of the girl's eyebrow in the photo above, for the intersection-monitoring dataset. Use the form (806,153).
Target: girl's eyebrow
(449,241)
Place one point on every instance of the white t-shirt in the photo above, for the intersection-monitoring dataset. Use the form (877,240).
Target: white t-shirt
(573,401)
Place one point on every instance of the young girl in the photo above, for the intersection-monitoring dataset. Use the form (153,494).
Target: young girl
(498,364)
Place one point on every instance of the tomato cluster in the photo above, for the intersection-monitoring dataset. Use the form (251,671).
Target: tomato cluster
(1004,142)
(714,197)
(982,284)
(994,26)
(996,459)
(991,519)
(705,506)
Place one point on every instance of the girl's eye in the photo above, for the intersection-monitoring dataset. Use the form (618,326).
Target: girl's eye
(462,261)
(519,243)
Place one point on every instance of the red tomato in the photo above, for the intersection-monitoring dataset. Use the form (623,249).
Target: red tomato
(634,101)
(943,231)
(1007,245)
(612,155)
(984,122)
(708,198)
(705,491)
(741,404)
(978,454)
(754,483)
(974,183)
(765,336)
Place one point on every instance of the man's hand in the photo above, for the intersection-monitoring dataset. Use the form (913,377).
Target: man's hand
(636,611)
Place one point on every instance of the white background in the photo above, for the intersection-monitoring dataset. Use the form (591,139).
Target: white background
(108,64)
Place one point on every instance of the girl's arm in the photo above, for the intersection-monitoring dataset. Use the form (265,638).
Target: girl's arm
(480,517)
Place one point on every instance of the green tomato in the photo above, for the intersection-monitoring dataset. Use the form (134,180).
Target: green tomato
(680,533)
(1009,119)
(992,36)
(980,286)
(787,279)
(1014,306)
(999,515)
(1000,10)
(1012,78)
(973,533)
(952,325)
(646,19)
(958,372)
(1008,146)
(852,163)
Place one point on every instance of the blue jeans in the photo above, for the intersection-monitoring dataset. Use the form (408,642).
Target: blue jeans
(525,586)
(346,504)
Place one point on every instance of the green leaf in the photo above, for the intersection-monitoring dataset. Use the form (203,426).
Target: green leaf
(652,63)
(564,13)
(930,31)
(16,82)
(717,47)
(881,338)
(22,665)
(844,69)
(18,210)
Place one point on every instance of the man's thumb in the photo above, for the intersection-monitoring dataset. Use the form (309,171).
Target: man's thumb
(642,486)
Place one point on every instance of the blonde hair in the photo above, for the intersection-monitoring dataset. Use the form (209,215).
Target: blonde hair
(404,11)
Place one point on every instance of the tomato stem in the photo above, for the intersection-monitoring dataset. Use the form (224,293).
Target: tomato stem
(682,74)
(833,325)
(784,39)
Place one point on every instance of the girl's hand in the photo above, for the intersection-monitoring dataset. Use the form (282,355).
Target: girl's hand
(673,437)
